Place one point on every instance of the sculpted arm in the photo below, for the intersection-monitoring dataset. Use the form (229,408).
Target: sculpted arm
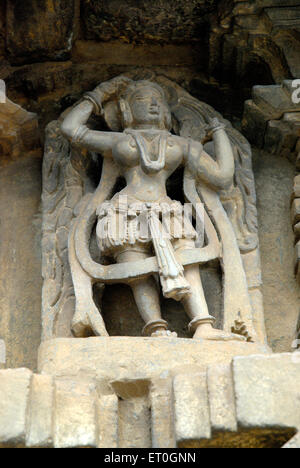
(74,126)
(75,129)
(219,174)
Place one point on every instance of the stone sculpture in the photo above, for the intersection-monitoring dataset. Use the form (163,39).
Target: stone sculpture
(140,146)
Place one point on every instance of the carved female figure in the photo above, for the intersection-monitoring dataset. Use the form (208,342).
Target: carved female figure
(145,153)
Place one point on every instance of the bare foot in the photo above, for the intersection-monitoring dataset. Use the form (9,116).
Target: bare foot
(207,332)
(164,334)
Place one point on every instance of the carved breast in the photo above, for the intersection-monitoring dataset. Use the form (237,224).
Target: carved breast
(126,153)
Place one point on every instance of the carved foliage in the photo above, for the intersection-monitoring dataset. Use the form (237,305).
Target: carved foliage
(62,190)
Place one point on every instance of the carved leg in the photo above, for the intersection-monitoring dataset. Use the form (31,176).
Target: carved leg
(147,298)
(196,308)
(87,319)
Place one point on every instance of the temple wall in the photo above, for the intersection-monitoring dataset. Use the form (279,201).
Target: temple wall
(125,390)
(20,239)
(274,181)
(48,76)
(51,51)
(20,259)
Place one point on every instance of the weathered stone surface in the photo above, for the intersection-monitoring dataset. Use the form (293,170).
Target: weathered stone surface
(284,17)
(297,260)
(39,30)
(252,265)
(2,29)
(162,417)
(274,178)
(75,414)
(20,274)
(267,391)
(254,404)
(14,401)
(41,412)
(236,42)
(134,357)
(254,123)
(2,354)
(191,410)
(296,187)
(131,388)
(20,192)
(280,137)
(271,119)
(297,231)
(132,21)
(107,421)
(134,423)
(274,99)
(289,44)
(18,131)
(257,302)
(115,53)
(221,398)
(295,211)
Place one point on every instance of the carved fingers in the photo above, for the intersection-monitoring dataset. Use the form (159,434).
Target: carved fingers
(105,91)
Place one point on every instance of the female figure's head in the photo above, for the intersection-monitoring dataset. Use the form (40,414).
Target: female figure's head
(144,105)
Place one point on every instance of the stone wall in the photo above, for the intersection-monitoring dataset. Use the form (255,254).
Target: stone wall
(271,122)
(254,402)
(20,249)
(51,51)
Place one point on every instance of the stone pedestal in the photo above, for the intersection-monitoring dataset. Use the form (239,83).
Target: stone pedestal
(135,358)
(248,401)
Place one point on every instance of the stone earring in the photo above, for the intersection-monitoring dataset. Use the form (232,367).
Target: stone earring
(126,113)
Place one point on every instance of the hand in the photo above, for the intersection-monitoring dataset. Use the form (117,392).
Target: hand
(212,127)
(105,91)
(114,86)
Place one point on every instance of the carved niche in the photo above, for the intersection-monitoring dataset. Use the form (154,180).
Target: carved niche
(71,182)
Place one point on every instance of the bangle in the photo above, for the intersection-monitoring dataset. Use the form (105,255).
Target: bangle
(79,135)
(91,96)
(219,127)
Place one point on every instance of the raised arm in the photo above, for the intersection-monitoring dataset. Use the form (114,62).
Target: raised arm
(218,174)
(75,129)
(74,126)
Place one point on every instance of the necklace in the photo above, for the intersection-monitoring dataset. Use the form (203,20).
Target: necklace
(149,165)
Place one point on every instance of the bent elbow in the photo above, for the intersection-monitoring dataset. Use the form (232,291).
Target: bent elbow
(67,129)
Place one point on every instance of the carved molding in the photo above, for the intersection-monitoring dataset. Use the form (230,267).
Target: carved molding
(251,403)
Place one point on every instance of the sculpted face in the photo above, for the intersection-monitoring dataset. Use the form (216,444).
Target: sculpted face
(147,107)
